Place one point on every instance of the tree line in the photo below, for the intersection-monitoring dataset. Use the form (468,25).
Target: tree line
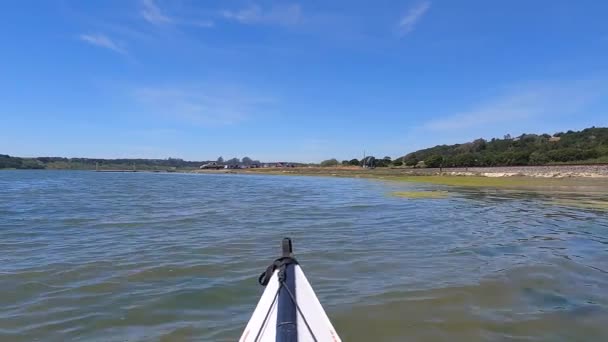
(369,161)
(9,162)
(587,146)
(572,147)
(237,161)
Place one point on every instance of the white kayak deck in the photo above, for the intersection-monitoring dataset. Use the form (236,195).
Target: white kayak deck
(310,308)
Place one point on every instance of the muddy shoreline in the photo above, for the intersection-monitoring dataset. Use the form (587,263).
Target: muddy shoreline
(554,171)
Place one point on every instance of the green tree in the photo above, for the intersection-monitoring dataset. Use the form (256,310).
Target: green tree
(588,145)
(354,162)
(381,163)
(433,161)
(329,162)
(384,162)
(411,160)
(538,158)
(465,160)
(487,159)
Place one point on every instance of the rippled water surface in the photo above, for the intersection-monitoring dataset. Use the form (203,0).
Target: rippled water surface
(88,256)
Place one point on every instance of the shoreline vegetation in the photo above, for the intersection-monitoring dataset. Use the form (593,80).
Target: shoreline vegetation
(498,177)
(586,147)
(529,160)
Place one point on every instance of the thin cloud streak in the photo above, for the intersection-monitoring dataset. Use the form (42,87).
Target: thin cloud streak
(526,103)
(103,41)
(412,17)
(513,107)
(285,15)
(152,13)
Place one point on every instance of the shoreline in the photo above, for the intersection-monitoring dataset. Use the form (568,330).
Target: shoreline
(594,171)
(542,172)
(572,179)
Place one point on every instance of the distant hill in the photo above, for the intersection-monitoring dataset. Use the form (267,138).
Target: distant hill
(587,146)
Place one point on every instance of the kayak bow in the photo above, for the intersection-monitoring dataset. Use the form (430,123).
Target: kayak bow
(289,310)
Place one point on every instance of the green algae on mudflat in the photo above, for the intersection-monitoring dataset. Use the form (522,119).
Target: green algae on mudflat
(420,194)
(480,181)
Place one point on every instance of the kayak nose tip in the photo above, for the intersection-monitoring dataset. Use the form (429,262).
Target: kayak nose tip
(287,247)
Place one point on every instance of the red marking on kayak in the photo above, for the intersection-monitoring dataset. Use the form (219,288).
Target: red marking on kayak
(245,335)
(333,335)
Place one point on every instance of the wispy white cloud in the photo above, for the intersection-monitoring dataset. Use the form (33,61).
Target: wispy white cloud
(103,41)
(528,107)
(201,105)
(527,102)
(412,17)
(279,14)
(152,13)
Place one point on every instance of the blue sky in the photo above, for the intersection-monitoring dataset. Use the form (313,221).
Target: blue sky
(305,81)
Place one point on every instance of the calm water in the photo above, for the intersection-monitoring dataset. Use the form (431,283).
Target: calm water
(90,256)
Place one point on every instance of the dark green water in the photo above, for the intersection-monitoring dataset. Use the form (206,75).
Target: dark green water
(90,256)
